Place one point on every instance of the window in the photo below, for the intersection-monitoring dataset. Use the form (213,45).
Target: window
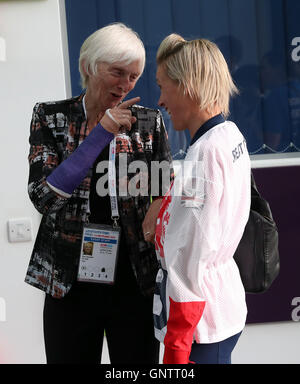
(259,38)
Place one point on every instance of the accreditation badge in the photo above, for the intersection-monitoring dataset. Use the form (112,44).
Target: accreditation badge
(99,253)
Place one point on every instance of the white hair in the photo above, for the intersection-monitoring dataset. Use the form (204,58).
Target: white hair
(114,43)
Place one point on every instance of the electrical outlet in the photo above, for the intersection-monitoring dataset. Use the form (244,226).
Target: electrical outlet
(19,230)
(2,49)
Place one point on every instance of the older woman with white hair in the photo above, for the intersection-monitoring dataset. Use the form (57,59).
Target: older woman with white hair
(199,307)
(73,143)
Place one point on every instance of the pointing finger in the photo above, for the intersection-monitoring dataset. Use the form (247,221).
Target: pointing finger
(129,103)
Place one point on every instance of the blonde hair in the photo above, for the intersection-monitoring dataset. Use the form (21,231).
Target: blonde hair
(200,69)
(114,43)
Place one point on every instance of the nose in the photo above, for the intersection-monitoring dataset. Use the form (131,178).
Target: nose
(160,102)
(126,85)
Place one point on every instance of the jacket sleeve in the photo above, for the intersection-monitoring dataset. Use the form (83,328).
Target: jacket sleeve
(192,240)
(43,158)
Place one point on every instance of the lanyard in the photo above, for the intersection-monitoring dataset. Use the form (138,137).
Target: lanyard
(112,182)
(111,178)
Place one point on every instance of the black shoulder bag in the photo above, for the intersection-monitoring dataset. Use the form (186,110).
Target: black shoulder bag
(257,255)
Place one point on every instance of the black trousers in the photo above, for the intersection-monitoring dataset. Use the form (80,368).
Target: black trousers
(74,326)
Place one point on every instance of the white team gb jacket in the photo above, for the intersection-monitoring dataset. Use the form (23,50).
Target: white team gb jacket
(199,294)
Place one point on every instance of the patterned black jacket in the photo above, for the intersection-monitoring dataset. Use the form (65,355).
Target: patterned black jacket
(57,128)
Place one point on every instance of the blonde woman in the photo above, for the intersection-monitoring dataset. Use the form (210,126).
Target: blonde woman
(199,305)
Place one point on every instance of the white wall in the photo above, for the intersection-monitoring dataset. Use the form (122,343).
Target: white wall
(35,70)
(270,343)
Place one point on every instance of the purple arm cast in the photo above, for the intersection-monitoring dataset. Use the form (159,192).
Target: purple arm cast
(69,174)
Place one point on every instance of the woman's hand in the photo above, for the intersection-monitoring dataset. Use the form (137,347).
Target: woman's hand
(119,116)
(149,223)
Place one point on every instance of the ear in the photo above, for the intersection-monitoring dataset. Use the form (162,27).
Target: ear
(84,68)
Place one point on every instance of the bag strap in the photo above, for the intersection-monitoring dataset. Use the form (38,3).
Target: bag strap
(254,190)
(258,203)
